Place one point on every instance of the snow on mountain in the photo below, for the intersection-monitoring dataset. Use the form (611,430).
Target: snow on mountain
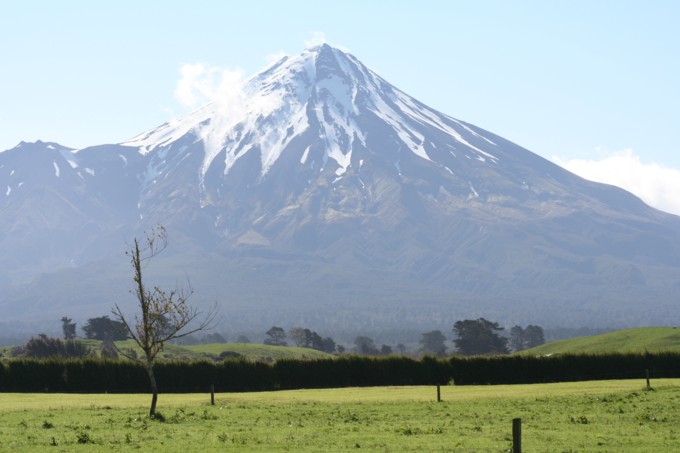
(325,89)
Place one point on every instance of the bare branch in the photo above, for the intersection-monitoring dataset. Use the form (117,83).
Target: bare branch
(163,316)
(118,314)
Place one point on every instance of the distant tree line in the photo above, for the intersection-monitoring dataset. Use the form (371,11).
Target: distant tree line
(301,337)
(471,337)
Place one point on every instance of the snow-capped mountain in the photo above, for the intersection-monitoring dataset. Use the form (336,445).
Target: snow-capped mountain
(320,192)
(323,92)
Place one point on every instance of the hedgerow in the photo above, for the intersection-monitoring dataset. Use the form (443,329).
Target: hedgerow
(241,374)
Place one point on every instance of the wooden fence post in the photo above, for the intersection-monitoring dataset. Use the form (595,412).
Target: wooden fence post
(649,387)
(439,394)
(212,394)
(516,435)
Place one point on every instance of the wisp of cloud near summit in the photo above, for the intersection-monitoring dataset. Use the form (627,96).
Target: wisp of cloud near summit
(656,185)
(199,84)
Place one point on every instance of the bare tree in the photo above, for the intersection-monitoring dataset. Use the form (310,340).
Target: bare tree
(301,337)
(162,316)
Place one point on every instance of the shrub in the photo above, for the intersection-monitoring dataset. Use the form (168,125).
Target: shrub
(44,347)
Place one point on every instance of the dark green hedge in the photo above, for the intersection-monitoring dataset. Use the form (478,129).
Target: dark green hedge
(72,375)
(99,375)
(562,368)
(357,371)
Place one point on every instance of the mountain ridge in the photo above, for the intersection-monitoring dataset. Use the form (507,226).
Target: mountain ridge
(324,188)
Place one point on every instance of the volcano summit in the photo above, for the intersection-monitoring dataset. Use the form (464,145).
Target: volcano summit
(324,196)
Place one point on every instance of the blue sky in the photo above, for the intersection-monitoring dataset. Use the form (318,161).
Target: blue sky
(593,85)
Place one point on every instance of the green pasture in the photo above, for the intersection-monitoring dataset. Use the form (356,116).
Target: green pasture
(603,416)
(643,339)
(255,351)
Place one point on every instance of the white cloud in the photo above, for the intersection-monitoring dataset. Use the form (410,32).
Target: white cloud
(658,186)
(200,84)
(317,38)
(224,88)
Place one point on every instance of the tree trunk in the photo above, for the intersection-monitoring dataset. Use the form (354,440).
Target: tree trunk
(154,389)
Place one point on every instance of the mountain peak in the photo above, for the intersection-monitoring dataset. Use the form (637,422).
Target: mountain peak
(308,67)
(323,47)
(323,104)
(330,62)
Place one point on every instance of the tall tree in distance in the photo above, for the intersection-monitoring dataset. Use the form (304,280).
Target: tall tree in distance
(162,316)
(276,336)
(105,329)
(69,328)
(385,349)
(433,343)
(365,346)
(517,341)
(301,337)
(521,339)
(479,336)
(328,345)
(534,336)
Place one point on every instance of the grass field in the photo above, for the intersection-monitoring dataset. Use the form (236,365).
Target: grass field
(254,351)
(258,351)
(604,416)
(644,339)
